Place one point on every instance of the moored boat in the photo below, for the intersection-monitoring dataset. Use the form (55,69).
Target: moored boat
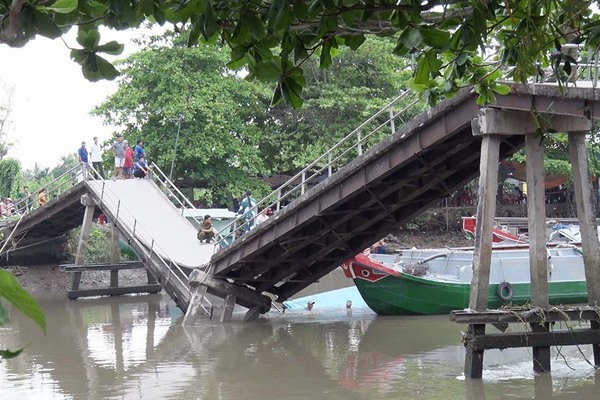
(437,281)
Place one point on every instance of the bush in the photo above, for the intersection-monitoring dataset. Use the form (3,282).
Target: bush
(98,247)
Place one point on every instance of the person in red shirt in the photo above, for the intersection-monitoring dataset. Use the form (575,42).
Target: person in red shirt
(128,163)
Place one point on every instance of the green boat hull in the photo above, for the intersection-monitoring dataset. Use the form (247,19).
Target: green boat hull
(411,295)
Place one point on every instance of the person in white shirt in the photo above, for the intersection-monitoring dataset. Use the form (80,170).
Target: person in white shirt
(96,157)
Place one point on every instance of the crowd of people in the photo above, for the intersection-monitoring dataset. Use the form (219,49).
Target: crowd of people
(129,162)
(23,204)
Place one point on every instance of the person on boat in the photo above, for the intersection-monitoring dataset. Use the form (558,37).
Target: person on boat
(248,211)
(378,247)
(310,305)
(206,231)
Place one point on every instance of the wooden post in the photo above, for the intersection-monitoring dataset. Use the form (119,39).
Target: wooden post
(228,308)
(486,210)
(474,358)
(586,215)
(536,213)
(538,256)
(84,237)
(541,354)
(115,255)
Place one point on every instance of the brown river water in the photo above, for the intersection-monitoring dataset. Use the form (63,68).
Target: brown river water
(136,348)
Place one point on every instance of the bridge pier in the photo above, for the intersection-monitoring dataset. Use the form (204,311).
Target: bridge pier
(113,267)
(206,283)
(491,124)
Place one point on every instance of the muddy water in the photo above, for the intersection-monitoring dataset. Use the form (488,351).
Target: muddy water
(135,348)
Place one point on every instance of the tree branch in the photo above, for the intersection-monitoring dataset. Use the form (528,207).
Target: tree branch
(11,33)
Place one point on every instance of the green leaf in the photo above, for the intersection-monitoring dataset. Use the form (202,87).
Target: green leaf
(268,70)
(501,89)
(20,299)
(46,25)
(354,41)
(6,354)
(89,39)
(106,69)
(435,38)
(411,37)
(3,315)
(113,48)
(63,6)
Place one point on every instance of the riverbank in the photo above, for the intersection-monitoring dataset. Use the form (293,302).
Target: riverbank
(49,278)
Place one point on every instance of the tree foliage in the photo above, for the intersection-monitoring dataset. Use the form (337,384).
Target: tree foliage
(229,135)
(274,38)
(7,93)
(219,115)
(10,177)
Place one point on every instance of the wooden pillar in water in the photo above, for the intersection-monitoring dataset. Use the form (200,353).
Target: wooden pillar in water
(482,255)
(538,256)
(115,255)
(84,237)
(586,215)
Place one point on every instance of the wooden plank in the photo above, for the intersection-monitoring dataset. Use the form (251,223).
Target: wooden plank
(113,291)
(493,121)
(534,315)
(486,209)
(586,215)
(533,339)
(536,213)
(70,268)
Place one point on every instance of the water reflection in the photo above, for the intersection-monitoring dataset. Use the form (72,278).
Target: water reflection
(129,348)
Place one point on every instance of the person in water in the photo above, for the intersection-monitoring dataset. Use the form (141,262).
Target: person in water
(206,231)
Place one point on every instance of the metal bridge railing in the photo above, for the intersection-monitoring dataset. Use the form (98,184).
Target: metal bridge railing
(131,225)
(175,195)
(53,189)
(383,123)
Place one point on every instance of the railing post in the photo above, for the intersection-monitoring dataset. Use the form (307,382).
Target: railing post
(392,120)
(118,209)
(359,140)
(329,166)
(278,199)
(134,226)
(303,182)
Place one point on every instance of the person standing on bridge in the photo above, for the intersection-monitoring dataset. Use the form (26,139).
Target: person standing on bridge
(42,197)
(128,163)
(96,157)
(139,150)
(248,211)
(82,153)
(118,149)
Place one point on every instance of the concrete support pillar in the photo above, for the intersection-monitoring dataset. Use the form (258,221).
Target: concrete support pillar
(228,308)
(115,255)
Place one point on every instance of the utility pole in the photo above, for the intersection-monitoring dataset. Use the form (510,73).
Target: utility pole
(179,119)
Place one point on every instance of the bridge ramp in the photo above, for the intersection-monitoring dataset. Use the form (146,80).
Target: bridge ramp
(140,205)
